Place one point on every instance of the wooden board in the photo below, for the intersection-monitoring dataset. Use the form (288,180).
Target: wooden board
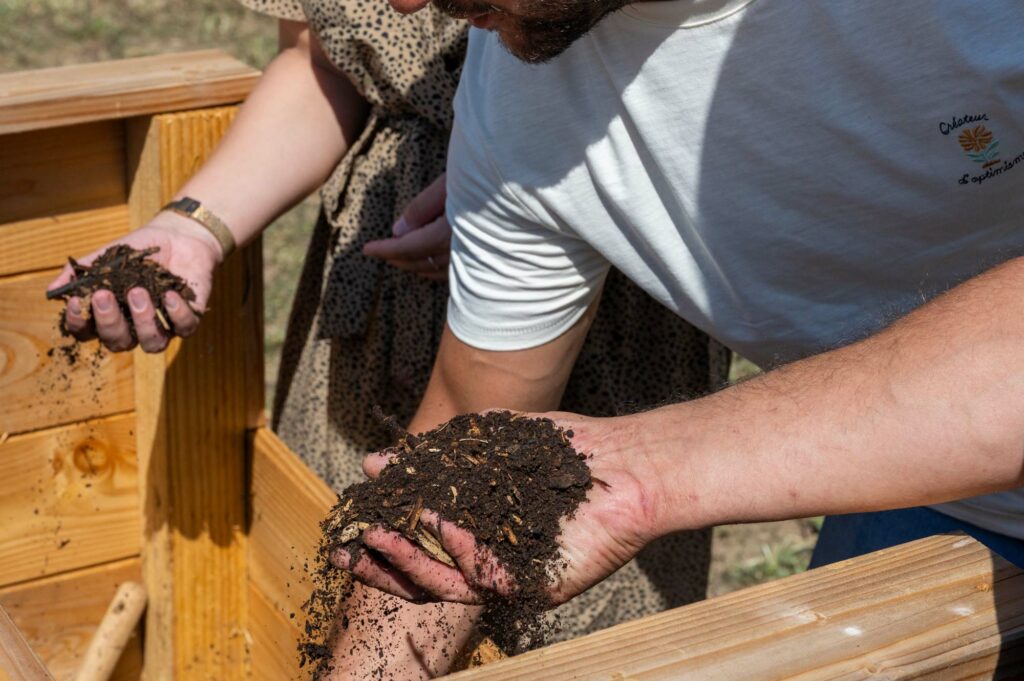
(288,501)
(59,614)
(119,89)
(68,498)
(274,641)
(39,391)
(17,659)
(59,171)
(940,608)
(194,404)
(47,242)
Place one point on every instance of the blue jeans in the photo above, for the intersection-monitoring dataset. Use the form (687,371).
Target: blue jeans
(846,536)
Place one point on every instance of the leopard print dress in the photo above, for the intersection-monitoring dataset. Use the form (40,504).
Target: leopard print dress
(363,333)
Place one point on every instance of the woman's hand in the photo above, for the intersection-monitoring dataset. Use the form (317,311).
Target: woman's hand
(615,522)
(187,249)
(422,236)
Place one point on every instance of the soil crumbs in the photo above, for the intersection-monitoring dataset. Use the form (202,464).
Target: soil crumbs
(119,269)
(506,478)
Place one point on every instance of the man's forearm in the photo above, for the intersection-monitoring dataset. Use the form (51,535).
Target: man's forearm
(292,130)
(929,410)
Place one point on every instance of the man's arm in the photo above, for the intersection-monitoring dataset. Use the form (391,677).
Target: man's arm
(427,638)
(929,410)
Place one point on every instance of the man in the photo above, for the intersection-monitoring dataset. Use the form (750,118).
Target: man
(831,188)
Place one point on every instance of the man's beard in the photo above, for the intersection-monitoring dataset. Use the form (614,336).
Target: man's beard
(542,29)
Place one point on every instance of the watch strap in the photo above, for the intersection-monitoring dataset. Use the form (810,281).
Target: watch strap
(195,210)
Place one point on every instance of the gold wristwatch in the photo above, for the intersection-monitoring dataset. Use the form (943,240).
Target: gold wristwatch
(191,208)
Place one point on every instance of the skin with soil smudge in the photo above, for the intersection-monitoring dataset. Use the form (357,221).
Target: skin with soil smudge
(507,479)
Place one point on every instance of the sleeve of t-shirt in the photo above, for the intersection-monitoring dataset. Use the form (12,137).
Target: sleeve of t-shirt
(517,279)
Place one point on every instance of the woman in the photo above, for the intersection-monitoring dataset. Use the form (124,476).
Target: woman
(362,332)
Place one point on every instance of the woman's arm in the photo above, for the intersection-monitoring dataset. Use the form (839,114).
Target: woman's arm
(290,133)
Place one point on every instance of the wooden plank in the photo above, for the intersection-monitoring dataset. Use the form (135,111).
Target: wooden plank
(41,391)
(940,608)
(58,616)
(274,641)
(65,170)
(119,89)
(17,659)
(47,242)
(68,498)
(194,404)
(288,501)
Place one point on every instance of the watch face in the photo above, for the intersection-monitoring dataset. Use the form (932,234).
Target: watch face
(188,205)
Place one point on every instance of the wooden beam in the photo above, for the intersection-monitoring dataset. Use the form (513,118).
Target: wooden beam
(68,498)
(47,242)
(940,608)
(16,657)
(194,404)
(64,170)
(38,390)
(120,89)
(288,501)
(58,616)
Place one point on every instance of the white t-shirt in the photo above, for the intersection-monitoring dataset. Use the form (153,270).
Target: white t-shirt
(789,176)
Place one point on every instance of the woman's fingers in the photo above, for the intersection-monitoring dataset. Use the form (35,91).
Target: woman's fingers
(111,326)
(425,208)
(432,240)
(75,320)
(185,321)
(150,333)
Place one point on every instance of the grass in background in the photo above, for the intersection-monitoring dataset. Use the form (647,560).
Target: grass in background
(47,33)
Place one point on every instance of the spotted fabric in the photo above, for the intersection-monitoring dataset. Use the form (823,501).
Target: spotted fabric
(362,333)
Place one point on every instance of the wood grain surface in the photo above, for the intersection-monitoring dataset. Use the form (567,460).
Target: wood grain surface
(59,614)
(17,659)
(41,391)
(940,608)
(194,404)
(119,89)
(68,498)
(63,170)
(47,242)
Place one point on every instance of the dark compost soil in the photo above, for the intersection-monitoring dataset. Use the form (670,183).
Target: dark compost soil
(119,269)
(506,478)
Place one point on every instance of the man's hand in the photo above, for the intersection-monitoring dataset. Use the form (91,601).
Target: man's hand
(422,236)
(187,249)
(616,521)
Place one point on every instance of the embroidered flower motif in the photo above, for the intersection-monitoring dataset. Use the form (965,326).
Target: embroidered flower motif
(975,139)
(979,147)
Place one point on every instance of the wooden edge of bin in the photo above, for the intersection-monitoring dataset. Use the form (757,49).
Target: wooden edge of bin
(67,95)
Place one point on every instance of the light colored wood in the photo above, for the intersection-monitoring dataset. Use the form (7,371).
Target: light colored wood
(288,501)
(17,658)
(47,242)
(115,631)
(940,608)
(59,614)
(59,171)
(275,641)
(68,498)
(194,404)
(119,89)
(40,391)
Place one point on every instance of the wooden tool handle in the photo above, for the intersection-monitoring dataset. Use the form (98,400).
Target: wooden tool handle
(112,636)
(16,657)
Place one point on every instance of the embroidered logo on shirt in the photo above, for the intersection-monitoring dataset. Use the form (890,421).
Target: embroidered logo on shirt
(980,145)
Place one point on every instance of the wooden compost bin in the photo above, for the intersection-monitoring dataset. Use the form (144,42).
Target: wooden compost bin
(159,468)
